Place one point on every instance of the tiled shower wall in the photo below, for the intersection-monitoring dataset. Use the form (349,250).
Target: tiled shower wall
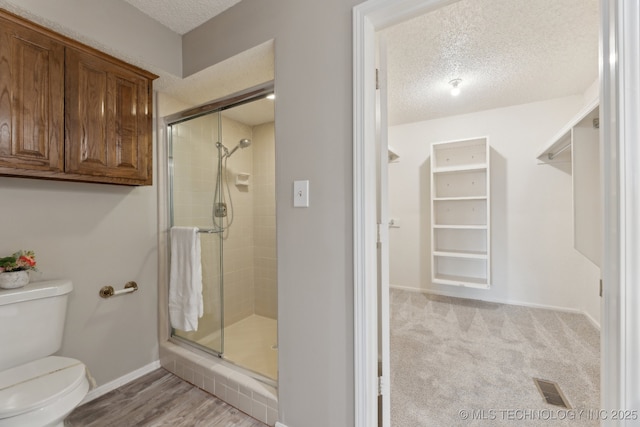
(238,239)
(250,245)
(249,260)
(264,222)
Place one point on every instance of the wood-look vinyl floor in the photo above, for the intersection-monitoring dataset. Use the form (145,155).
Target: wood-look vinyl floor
(159,399)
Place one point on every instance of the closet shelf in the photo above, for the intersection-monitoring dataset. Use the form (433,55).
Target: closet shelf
(460,254)
(562,141)
(460,227)
(446,199)
(471,282)
(461,168)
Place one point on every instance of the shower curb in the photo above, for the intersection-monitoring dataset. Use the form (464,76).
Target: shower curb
(247,394)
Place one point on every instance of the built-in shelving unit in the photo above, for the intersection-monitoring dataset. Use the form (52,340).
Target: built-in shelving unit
(460,213)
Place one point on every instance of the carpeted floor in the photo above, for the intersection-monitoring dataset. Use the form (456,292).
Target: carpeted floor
(458,362)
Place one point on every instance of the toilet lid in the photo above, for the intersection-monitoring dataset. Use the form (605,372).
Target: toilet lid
(35,384)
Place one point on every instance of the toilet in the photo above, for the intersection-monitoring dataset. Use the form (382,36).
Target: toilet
(37,389)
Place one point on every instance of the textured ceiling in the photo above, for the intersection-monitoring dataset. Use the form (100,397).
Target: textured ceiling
(182,16)
(506,52)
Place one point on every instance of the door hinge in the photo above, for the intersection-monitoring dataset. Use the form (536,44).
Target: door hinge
(378,235)
(380,385)
(377,79)
(601,287)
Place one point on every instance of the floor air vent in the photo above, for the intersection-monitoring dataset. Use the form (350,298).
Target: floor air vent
(551,393)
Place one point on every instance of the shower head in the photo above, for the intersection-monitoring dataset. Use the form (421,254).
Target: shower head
(244,143)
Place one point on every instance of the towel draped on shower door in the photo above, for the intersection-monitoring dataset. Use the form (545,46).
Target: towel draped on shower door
(185,279)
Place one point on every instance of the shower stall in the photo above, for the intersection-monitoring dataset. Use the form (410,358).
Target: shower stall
(221,169)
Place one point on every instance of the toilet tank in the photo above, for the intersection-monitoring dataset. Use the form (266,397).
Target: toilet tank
(32,321)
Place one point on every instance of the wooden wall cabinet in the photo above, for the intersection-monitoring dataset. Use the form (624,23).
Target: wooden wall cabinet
(107,119)
(31,99)
(70,112)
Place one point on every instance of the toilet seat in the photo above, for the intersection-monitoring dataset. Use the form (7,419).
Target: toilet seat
(39,383)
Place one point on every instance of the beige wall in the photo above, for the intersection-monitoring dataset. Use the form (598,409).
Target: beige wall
(313,78)
(115,27)
(94,235)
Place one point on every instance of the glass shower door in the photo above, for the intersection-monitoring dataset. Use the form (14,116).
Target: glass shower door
(193,159)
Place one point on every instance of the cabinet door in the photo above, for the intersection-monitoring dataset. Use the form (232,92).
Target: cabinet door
(108,120)
(31,100)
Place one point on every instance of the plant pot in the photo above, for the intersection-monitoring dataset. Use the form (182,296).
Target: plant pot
(13,279)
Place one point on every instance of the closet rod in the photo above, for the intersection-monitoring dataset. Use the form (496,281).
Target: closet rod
(553,155)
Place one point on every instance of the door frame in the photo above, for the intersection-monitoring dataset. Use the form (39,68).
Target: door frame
(620,133)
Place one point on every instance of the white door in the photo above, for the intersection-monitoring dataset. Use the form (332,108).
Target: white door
(382,216)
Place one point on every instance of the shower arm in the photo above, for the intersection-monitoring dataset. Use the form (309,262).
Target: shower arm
(229,153)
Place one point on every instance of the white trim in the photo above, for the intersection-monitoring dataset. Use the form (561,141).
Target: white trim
(501,301)
(279,424)
(629,112)
(382,217)
(118,382)
(620,71)
(365,257)
(368,17)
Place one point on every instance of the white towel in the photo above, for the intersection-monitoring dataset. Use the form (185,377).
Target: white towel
(185,279)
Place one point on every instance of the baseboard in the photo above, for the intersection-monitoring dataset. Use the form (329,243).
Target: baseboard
(112,385)
(592,320)
(498,301)
(279,424)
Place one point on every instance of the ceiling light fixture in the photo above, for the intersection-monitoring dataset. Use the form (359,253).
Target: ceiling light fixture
(455,87)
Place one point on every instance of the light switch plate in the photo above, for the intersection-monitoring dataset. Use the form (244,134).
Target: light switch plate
(301,194)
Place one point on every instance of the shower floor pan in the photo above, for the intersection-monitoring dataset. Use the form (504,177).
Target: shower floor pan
(250,343)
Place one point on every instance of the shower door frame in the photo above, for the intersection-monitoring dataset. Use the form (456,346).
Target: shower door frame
(219,351)
(252,94)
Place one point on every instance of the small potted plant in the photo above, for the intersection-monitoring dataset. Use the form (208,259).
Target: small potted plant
(14,269)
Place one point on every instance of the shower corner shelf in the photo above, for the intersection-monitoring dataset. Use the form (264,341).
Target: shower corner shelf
(242,179)
(460,213)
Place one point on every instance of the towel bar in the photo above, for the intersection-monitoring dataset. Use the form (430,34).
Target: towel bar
(108,291)
(210,230)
